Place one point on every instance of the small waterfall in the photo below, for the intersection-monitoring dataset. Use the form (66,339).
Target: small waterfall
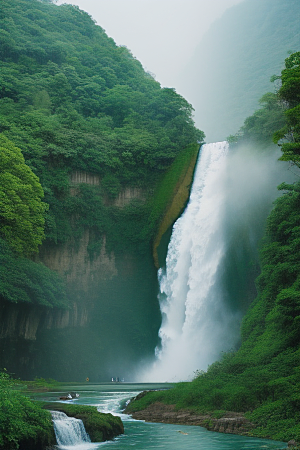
(195,323)
(68,430)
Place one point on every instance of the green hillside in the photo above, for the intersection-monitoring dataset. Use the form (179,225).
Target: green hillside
(72,100)
(93,135)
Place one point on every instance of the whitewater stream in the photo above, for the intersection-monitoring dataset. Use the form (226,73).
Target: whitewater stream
(195,321)
(139,435)
(207,283)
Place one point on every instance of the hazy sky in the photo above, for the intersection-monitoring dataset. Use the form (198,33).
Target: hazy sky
(161,34)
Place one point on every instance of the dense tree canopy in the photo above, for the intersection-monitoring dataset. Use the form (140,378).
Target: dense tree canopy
(279,116)
(71,96)
(71,100)
(264,122)
(21,207)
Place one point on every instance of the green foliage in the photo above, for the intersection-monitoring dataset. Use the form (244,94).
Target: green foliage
(25,281)
(72,100)
(22,422)
(289,135)
(21,208)
(260,127)
(166,187)
(279,117)
(94,90)
(99,426)
(278,302)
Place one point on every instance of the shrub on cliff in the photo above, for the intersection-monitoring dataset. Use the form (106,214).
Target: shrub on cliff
(21,208)
(26,281)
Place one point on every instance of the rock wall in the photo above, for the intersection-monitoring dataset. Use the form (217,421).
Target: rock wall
(128,194)
(25,320)
(125,196)
(73,262)
(113,319)
(80,176)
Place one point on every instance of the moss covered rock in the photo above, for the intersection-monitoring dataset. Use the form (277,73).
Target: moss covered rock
(100,427)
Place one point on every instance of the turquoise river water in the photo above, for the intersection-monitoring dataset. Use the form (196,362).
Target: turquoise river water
(140,435)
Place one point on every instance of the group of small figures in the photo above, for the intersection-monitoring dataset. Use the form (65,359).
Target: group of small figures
(117,380)
(69,396)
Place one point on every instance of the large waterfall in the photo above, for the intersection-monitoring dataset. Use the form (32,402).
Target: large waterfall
(191,306)
(207,281)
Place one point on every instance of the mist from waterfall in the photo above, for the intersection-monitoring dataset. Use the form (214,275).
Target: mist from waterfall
(211,265)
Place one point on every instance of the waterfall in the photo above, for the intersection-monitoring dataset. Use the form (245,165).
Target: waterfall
(212,261)
(195,321)
(68,430)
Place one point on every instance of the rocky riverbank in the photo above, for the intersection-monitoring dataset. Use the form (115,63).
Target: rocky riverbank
(231,422)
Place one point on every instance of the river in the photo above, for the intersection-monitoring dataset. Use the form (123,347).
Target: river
(140,435)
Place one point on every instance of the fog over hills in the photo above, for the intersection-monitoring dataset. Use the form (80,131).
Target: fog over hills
(234,61)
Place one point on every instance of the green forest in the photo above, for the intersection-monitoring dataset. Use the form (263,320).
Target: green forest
(262,378)
(71,100)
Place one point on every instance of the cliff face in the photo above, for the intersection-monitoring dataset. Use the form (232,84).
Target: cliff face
(113,316)
(24,321)
(72,261)
(100,134)
(127,195)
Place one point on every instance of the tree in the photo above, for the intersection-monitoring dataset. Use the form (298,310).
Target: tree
(21,207)
(288,137)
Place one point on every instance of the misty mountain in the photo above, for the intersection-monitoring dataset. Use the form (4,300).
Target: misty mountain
(233,63)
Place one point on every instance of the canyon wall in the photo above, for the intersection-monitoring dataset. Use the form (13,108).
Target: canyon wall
(113,316)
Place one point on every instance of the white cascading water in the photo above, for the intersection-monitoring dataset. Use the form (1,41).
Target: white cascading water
(68,430)
(195,323)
